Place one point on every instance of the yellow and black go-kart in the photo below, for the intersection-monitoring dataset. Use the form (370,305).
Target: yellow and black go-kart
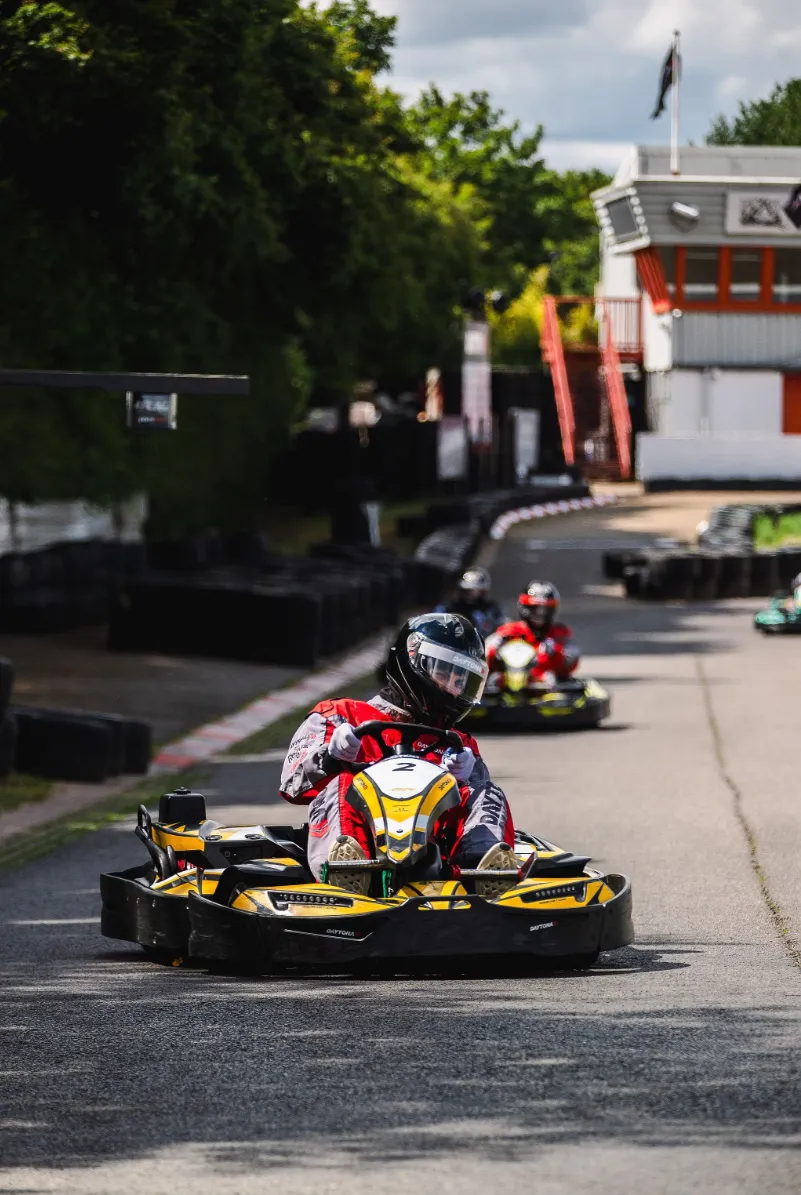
(514,699)
(246,896)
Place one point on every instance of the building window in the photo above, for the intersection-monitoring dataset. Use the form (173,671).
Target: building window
(623,220)
(667,256)
(745,285)
(701,276)
(787,276)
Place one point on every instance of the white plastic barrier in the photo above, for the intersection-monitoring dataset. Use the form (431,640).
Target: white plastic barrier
(525,513)
(27,528)
(718,458)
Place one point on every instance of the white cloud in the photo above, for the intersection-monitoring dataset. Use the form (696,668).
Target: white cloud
(584,155)
(589,69)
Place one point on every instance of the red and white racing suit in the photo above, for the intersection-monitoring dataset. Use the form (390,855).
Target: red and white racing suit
(557,650)
(464,834)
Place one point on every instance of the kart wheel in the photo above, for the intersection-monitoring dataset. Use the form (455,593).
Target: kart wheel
(162,957)
(581,962)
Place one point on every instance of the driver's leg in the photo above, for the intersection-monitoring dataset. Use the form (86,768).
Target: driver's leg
(338,834)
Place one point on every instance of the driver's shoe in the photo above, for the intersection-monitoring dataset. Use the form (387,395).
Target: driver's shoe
(346,850)
(500,857)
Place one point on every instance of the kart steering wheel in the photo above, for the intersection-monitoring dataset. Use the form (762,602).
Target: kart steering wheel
(410,732)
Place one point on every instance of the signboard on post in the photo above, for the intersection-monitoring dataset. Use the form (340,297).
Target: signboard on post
(526,442)
(477,382)
(451,448)
(152,411)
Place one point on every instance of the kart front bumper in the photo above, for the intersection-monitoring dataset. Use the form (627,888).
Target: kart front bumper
(776,622)
(549,712)
(469,928)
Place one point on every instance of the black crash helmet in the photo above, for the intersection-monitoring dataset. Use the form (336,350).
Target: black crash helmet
(437,668)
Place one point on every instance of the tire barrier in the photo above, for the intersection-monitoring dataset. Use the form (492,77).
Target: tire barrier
(231,598)
(724,564)
(310,608)
(8,745)
(65,585)
(79,746)
(702,576)
(442,557)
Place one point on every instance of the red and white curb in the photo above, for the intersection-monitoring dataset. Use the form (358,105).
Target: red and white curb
(215,737)
(525,513)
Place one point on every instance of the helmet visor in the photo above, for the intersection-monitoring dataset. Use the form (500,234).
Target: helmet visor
(458,675)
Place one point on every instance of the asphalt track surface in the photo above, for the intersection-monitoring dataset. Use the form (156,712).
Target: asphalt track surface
(672,1067)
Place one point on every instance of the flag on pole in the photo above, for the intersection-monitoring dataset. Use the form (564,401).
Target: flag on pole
(670,75)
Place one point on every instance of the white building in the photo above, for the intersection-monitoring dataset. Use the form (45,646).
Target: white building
(716,263)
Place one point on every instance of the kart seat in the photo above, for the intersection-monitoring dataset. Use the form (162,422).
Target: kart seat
(259,873)
(560,865)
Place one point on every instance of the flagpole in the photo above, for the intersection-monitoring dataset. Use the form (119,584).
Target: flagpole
(674,120)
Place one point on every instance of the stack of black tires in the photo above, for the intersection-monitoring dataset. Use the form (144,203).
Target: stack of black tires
(723,564)
(266,609)
(71,745)
(64,586)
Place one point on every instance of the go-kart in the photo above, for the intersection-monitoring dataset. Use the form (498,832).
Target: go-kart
(246,896)
(782,617)
(517,697)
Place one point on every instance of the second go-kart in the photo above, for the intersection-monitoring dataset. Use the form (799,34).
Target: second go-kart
(247,896)
(516,697)
(782,617)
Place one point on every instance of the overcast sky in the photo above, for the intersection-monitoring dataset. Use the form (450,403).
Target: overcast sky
(588,70)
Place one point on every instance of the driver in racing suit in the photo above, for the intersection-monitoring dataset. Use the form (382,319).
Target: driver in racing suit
(472,600)
(557,651)
(435,674)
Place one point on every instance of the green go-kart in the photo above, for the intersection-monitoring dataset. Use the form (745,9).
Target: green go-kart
(782,617)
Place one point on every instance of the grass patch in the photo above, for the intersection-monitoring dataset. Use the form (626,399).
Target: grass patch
(34,844)
(23,790)
(278,734)
(777,533)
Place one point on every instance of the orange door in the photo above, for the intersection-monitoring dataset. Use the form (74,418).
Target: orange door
(791,418)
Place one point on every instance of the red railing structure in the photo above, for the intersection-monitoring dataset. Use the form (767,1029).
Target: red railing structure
(624,320)
(615,387)
(553,352)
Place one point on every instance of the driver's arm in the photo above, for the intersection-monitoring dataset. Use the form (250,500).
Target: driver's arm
(307,767)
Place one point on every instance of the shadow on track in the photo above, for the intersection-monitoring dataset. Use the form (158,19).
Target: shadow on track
(190,1059)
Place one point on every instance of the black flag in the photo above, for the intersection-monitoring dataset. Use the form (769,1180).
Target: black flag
(793,206)
(666,81)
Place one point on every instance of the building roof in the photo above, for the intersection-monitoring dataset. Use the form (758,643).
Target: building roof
(777,164)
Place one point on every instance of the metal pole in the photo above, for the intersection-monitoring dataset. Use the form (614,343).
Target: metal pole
(674,121)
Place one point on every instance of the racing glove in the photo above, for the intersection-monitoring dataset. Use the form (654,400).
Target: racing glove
(460,764)
(343,743)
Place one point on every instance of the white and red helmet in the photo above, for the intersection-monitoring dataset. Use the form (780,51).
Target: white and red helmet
(539,605)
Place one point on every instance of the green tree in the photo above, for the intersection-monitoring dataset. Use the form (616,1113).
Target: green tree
(528,215)
(774,121)
(207,187)
(372,36)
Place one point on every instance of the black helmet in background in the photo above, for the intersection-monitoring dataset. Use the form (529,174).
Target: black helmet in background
(437,668)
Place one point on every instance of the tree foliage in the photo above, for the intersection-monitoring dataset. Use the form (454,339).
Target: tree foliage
(210,186)
(774,121)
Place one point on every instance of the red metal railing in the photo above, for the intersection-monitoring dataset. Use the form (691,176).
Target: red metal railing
(623,317)
(615,387)
(553,352)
